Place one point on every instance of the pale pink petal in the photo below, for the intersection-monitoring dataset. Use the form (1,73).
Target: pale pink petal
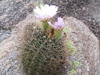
(51,24)
(60,20)
(48,16)
(58,26)
(56,23)
(38,16)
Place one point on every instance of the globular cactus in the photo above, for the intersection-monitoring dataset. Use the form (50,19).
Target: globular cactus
(43,55)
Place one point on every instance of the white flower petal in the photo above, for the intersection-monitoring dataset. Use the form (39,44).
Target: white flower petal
(38,11)
(46,11)
(53,10)
(43,9)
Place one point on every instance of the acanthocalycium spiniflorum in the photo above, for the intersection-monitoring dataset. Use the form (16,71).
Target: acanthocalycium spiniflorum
(45,52)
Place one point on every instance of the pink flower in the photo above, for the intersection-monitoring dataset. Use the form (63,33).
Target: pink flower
(45,12)
(59,24)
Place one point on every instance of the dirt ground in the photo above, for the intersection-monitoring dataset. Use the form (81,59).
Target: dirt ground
(79,9)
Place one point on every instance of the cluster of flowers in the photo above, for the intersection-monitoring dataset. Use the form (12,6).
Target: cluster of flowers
(45,13)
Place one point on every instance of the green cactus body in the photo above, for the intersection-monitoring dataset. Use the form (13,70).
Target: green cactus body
(57,33)
(43,55)
(45,25)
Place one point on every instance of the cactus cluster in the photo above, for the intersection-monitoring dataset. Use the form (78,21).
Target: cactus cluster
(43,55)
(46,45)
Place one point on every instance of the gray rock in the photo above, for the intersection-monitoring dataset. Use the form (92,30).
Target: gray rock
(3,36)
(11,13)
(87,47)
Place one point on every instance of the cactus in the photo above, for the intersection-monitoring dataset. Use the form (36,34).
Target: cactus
(43,55)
